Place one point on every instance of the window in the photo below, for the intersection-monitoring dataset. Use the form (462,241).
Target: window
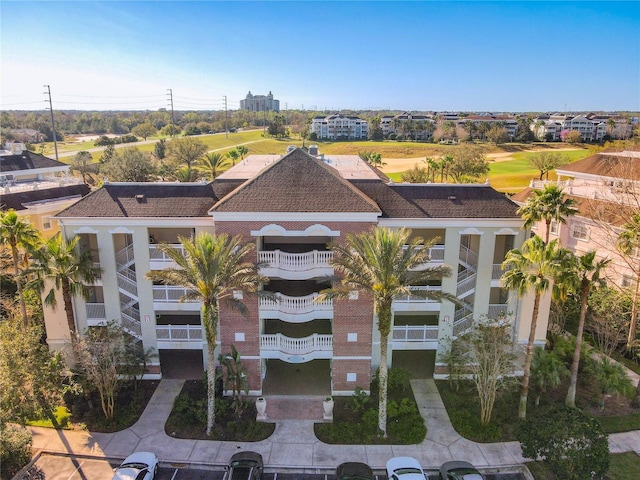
(553,227)
(46,223)
(628,281)
(580,232)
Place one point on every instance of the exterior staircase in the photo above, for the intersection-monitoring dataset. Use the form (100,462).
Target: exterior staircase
(463,317)
(128,288)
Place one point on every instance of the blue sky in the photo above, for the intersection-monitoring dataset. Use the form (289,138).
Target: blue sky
(481,56)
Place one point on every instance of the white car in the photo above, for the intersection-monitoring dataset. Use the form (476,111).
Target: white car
(405,468)
(137,466)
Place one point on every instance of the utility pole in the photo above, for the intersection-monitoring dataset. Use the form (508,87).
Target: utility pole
(173,124)
(226,118)
(53,123)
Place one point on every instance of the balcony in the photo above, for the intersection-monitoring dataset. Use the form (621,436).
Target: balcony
(436,253)
(179,336)
(168,297)
(295,309)
(95,313)
(414,303)
(296,350)
(415,337)
(497,310)
(296,266)
(159,260)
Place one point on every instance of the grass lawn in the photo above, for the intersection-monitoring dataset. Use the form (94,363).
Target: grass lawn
(62,417)
(623,466)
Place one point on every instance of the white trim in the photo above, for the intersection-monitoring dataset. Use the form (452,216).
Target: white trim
(368,217)
(441,223)
(85,229)
(359,357)
(507,231)
(133,222)
(275,230)
(471,231)
(122,229)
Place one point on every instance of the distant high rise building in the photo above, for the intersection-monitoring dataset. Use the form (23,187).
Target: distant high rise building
(260,103)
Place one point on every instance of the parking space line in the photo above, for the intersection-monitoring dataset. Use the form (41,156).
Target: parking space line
(76,470)
(174,474)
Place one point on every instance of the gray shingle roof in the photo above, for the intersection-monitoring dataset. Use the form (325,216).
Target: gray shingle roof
(18,200)
(297,183)
(438,201)
(26,161)
(145,200)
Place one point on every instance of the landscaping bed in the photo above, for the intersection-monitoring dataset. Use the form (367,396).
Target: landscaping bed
(355,420)
(188,418)
(623,466)
(464,409)
(130,402)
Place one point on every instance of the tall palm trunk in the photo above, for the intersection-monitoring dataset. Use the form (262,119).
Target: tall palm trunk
(16,271)
(584,297)
(384,326)
(524,390)
(546,236)
(209,317)
(634,314)
(68,307)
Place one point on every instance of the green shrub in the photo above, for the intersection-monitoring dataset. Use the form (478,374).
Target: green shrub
(359,400)
(571,443)
(15,449)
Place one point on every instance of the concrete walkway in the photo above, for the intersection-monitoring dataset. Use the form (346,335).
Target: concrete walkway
(293,444)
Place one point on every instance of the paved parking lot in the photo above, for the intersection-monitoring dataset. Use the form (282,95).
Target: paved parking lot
(57,467)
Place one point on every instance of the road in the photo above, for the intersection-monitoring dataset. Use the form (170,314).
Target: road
(59,467)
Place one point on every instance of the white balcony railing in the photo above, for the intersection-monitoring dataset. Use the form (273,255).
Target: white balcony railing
(415,333)
(179,333)
(168,293)
(497,310)
(468,256)
(96,311)
(295,305)
(417,299)
(296,346)
(157,255)
(296,262)
(436,253)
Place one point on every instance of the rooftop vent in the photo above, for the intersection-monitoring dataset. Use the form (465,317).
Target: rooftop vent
(140,197)
(313,150)
(452,197)
(291,148)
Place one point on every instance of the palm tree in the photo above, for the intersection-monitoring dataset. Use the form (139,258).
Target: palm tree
(233,155)
(384,263)
(586,273)
(242,151)
(611,378)
(19,234)
(547,204)
(533,267)
(611,127)
(628,244)
(445,162)
(540,124)
(211,268)
(60,263)
(547,369)
(186,174)
(213,163)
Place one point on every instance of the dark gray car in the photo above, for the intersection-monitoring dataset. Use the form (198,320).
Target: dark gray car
(354,471)
(245,466)
(458,470)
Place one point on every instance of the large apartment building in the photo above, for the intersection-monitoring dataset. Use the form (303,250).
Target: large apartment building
(606,188)
(340,127)
(260,103)
(592,127)
(37,187)
(292,207)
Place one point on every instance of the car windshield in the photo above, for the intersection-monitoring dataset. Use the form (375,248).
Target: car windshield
(136,465)
(407,471)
